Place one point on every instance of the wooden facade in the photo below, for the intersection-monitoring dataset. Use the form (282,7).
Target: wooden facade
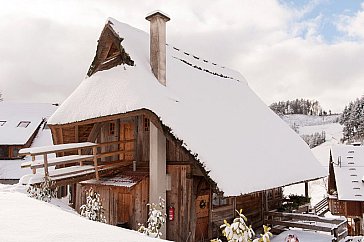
(199,210)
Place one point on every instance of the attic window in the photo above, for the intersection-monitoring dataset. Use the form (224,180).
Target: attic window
(146,124)
(2,123)
(23,124)
(112,129)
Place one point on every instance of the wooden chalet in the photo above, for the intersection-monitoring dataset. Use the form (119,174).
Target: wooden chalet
(176,126)
(346,185)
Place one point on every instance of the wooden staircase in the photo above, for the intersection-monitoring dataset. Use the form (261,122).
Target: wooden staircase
(321,207)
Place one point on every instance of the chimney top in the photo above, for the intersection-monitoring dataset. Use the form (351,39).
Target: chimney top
(159,14)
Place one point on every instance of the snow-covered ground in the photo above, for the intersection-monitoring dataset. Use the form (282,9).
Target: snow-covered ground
(28,219)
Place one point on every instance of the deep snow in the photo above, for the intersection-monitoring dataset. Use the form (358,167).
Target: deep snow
(28,219)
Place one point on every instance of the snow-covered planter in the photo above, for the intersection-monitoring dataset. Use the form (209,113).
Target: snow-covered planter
(239,231)
(93,209)
(155,220)
(44,192)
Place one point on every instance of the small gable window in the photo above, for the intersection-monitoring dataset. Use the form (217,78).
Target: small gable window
(146,124)
(112,129)
(23,124)
(2,123)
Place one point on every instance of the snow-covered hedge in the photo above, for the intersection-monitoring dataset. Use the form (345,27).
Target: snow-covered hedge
(44,192)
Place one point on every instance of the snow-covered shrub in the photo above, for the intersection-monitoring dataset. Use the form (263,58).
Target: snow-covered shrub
(239,231)
(93,209)
(291,238)
(45,191)
(156,219)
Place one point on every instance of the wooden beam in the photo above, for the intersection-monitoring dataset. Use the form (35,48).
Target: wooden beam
(34,170)
(94,152)
(46,173)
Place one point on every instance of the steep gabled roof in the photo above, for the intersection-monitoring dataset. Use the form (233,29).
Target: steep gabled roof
(245,146)
(12,114)
(348,162)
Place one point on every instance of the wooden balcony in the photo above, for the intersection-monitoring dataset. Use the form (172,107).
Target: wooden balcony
(83,161)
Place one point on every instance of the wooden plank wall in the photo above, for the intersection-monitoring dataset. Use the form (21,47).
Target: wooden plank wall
(253,206)
(181,198)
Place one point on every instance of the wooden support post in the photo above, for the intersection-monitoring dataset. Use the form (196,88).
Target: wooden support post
(79,151)
(45,165)
(306,189)
(34,170)
(94,152)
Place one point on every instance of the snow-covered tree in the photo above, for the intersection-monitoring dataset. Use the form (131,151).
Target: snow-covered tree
(93,209)
(239,231)
(44,192)
(353,121)
(156,219)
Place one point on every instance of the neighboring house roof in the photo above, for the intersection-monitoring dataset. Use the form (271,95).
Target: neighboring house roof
(19,121)
(245,146)
(10,169)
(348,162)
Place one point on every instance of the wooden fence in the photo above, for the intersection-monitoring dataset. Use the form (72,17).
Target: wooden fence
(337,227)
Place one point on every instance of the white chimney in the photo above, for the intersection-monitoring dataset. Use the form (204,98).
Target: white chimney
(158,44)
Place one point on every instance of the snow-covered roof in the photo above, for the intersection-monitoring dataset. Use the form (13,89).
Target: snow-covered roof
(119,181)
(14,118)
(244,145)
(348,161)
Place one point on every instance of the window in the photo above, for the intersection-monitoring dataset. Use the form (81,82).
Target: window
(16,152)
(146,124)
(2,123)
(112,129)
(23,124)
(218,200)
(4,152)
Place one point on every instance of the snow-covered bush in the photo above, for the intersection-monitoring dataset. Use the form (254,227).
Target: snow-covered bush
(291,238)
(156,219)
(239,231)
(93,209)
(45,191)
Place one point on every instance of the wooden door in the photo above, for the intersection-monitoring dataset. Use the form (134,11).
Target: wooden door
(127,135)
(202,205)
(124,207)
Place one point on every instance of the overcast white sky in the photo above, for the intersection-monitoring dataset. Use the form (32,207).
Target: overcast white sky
(285,49)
